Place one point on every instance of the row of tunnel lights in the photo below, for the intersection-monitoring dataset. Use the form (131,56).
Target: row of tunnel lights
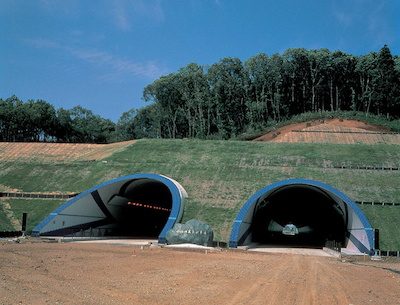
(148,206)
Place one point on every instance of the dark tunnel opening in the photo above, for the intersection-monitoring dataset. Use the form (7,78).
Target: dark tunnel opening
(144,206)
(298,216)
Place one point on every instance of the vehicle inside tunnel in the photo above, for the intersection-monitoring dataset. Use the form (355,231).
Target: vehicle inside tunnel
(298,215)
(137,206)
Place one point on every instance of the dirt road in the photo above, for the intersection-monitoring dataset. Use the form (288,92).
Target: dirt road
(72,273)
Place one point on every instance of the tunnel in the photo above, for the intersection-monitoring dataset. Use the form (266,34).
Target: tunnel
(138,206)
(301,213)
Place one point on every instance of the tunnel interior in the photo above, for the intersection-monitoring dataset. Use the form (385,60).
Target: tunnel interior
(298,216)
(141,208)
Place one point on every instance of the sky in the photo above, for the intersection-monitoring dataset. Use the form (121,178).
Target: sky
(101,54)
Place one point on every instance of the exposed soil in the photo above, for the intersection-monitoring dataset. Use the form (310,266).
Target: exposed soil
(332,131)
(58,151)
(34,272)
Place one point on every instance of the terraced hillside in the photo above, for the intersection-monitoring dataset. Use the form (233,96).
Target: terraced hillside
(219,176)
(337,131)
(57,152)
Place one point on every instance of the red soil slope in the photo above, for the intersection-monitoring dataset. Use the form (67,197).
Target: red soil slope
(332,131)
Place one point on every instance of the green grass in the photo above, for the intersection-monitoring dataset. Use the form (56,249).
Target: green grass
(220,176)
(386,219)
(5,223)
(37,209)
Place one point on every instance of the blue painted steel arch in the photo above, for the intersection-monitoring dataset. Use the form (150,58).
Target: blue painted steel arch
(178,195)
(238,235)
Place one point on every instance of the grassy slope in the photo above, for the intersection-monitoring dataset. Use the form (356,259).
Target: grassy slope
(220,176)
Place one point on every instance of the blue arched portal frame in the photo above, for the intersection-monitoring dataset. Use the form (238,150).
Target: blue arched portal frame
(176,210)
(234,237)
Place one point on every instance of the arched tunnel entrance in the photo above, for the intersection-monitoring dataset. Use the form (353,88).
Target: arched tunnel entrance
(298,215)
(141,205)
(301,213)
(142,208)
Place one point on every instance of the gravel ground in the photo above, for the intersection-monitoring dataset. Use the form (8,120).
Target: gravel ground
(39,272)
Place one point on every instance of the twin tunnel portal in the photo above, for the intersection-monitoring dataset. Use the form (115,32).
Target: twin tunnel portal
(293,213)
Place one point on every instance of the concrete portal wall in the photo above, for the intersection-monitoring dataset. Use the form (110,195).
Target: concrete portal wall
(90,209)
(360,235)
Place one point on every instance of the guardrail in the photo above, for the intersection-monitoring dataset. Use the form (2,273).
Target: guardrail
(377,203)
(351,132)
(36,195)
(387,253)
(333,245)
(380,168)
(10,233)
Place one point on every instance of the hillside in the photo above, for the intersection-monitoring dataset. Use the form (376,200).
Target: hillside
(219,176)
(332,130)
(57,152)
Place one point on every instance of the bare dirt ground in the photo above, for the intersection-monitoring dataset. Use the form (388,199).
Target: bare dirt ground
(35,272)
(332,131)
(58,151)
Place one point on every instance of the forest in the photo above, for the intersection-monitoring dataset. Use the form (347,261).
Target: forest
(224,100)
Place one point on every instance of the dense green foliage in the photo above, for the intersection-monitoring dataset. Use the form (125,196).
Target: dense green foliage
(231,97)
(36,121)
(220,176)
(225,100)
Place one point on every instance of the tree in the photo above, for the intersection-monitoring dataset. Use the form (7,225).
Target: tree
(125,125)
(195,95)
(317,63)
(386,83)
(165,92)
(366,71)
(227,92)
(257,102)
(296,65)
(8,118)
(341,79)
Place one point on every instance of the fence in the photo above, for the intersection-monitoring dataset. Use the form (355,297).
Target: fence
(350,132)
(333,245)
(10,233)
(377,203)
(89,233)
(387,253)
(36,195)
(380,168)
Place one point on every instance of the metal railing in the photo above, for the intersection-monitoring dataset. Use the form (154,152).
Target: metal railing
(334,245)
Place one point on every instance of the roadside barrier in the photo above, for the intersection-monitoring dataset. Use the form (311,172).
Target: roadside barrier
(368,167)
(351,132)
(377,203)
(333,245)
(387,253)
(10,233)
(36,195)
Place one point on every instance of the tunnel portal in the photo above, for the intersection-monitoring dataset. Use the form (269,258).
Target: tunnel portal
(302,213)
(142,208)
(141,205)
(309,215)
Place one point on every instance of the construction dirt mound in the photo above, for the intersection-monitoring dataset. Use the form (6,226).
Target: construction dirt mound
(58,152)
(340,131)
(75,273)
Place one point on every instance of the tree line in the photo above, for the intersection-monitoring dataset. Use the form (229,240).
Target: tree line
(225,99)
(35,121)
(231,96)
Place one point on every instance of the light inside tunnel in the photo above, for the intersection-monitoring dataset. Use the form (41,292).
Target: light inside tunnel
(298,215)
(141,208)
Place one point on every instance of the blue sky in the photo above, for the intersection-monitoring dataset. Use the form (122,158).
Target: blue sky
(100,54)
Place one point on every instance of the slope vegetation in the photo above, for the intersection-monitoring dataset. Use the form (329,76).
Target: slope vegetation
(219,176)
